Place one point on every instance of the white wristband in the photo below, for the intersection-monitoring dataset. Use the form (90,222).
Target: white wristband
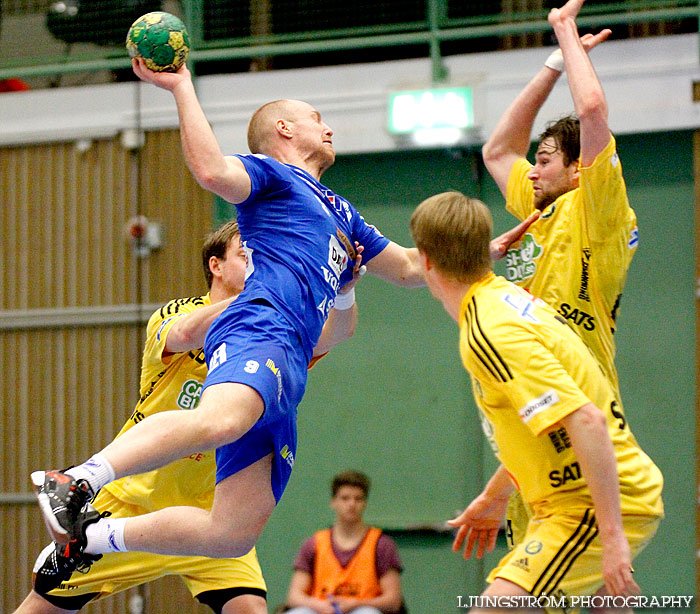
(344,301)
(555,61)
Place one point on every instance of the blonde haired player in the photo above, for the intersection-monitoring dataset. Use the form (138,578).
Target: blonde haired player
(172,373)
(554,421)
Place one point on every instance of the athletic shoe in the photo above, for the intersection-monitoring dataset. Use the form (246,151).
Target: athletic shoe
(56,563)
(61,499)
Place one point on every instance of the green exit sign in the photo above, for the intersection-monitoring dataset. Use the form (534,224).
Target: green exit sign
(437,109)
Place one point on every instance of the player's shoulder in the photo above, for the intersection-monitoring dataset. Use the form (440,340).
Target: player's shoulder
(500,306)
(178,306)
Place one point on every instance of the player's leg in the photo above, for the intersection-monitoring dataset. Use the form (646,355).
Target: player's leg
(226,411)
(246,603)
(36,604)
(502,589)
(242,505)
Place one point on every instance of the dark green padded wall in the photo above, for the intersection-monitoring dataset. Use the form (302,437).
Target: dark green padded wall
(394,401)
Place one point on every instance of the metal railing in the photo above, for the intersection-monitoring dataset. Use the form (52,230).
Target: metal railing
(437,27)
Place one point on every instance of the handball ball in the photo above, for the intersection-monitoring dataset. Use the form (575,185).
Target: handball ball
(160,39)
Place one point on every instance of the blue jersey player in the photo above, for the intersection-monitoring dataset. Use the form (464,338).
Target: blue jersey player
(300,239)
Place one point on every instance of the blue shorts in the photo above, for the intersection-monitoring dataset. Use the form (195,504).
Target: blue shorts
(251,343)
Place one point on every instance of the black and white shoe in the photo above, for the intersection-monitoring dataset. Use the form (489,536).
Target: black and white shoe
(61,499)
(56,564)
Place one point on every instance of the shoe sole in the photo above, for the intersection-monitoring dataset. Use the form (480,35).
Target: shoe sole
(56,531)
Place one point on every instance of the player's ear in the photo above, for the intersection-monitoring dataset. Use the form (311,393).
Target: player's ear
(215,266)
(283,128)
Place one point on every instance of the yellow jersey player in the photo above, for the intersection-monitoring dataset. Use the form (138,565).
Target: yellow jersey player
(577,255)
(553,419)
(173,370)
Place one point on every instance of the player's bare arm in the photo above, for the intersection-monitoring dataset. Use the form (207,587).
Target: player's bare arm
(397,265)
(586,91)
(223,175)
(588,432)
(510,139)
(480,522)
(189,331)
(401,266)
(341,323)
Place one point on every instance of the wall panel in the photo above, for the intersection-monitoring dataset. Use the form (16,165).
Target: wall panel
(74,300)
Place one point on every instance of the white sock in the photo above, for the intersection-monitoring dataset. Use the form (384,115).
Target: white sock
(105,535)
(96,470)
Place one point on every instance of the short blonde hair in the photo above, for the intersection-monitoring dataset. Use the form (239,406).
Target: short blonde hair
(262,123)
(454,231)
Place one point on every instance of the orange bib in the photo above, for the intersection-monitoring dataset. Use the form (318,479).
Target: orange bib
(358,579)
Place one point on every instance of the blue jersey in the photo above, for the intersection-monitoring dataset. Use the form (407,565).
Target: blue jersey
(299,239)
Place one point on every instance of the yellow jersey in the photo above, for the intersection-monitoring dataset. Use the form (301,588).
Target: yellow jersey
(170,382)
(529,370)
(576,256)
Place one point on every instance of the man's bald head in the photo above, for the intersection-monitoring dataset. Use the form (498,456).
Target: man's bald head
(262,129)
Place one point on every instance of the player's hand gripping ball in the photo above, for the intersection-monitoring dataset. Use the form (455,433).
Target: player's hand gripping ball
(160,39)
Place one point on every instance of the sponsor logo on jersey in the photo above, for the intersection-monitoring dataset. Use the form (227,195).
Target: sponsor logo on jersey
(218,357)
(538,405)
(347,244)
(287,455)
(520,261)
(570,473)
(533,547)
(337,256)
(560,440)
(548,212)
(522,563)
(524,305)
(189,395)
(634,238)
(338,203)
(577,316)
(331,279)
(324,306)
(270,364)
(249,265)
(585,262)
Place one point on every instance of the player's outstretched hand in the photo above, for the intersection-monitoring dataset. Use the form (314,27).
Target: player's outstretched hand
(499,246)
(166,80)
(590,41)
(479,524)
(617,570)
(569,11)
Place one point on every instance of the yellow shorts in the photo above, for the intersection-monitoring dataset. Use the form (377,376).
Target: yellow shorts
(119,571)
(561,555)
(517,518)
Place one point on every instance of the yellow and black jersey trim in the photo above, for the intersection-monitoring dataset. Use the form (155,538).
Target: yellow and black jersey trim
(483,349)
(566,556)
(175,305)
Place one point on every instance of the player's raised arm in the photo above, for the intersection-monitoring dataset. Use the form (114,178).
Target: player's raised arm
(510,139)
(223,175)
(586,90)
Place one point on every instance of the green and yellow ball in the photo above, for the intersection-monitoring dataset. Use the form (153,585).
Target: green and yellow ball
(160,39)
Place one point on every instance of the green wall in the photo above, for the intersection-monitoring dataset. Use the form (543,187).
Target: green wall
(394,400)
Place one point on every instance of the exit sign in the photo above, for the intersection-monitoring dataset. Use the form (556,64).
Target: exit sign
(436,109)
